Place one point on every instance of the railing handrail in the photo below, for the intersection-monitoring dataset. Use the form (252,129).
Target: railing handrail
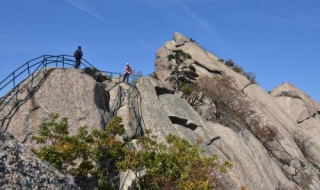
(27,65)
(37,64)
(64,59)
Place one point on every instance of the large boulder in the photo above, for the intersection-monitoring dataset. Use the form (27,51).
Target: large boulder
(166,113)
(295,102)
(290,163)
(304,111)
(205,63)
(69,92)
(20,169)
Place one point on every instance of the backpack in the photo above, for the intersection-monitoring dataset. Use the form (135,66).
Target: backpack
(76,54)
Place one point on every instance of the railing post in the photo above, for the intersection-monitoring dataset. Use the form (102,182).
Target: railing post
(44,63)
(32,80)
(17,92)
(28,68)
(63,61)
(44,57)
(13,80)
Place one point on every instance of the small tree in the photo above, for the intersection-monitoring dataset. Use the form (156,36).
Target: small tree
(135,75)
(83,154)
(194,98)
(218,92)
(229,63)
(251,77)
(231,104)
(227,99)
(182,74)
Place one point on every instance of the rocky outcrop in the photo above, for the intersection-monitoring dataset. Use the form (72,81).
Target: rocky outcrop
(20,169)
(205,63)
(167,113)
(290,165)
(70,92)
(90,98)
(296,103)
(305,112)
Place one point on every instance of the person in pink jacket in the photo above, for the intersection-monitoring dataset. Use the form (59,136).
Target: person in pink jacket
(127,72)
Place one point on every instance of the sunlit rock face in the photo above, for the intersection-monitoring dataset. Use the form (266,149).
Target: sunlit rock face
(305,112)
(20,169)
(290,111)
(69,92)
(153,104)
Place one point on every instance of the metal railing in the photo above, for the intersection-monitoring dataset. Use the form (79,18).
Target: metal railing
(134,101)
(30,70)
(38,63)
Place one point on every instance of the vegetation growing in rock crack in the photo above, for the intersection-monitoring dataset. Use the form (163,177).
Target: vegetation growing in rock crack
(218,99)
(101,155)
(304,145)
(250,76)
(153,75)
(183,73)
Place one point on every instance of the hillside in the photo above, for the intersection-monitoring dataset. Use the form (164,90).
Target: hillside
(290,160)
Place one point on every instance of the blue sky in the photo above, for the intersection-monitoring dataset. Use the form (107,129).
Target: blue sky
(278,40)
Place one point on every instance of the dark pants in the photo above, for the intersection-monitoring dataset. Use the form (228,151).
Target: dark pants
(77,63)
(126,76)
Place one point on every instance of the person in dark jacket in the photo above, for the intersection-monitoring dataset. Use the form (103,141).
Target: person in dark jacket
(78,55)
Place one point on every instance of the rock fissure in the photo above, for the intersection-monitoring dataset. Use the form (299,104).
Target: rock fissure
(213,71)
(183,122)
(161,91)
(246,86)
(301,121)
(290,94)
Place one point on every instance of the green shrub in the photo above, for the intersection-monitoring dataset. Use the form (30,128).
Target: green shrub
(229,63)
(179,165)
(186,89)
(237,69)
(154,75)
(83,154)
(102,155)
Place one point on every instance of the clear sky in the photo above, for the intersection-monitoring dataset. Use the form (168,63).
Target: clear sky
(278,40)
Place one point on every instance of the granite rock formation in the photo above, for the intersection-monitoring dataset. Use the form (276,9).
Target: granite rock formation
(152,104)
(21,169)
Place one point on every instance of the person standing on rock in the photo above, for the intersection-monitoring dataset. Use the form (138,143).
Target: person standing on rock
(78,55)
(127,72)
